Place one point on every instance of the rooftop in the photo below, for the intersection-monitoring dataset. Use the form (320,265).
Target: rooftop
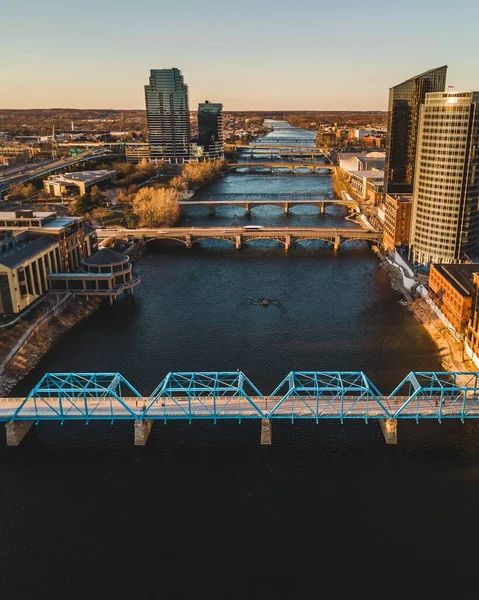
(460,276)
(106,257)
(374,174)
(82,176)
(15,216)
(30,248)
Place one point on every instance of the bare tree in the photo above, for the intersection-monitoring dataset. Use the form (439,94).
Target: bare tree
(156,207)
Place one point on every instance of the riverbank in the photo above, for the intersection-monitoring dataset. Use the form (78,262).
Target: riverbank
(45,333)
(451,349)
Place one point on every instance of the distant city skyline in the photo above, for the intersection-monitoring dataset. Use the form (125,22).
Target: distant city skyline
(248,56)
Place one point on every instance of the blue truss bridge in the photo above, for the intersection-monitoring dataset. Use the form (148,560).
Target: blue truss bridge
(217,396)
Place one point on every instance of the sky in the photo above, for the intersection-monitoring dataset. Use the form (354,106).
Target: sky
(248,54)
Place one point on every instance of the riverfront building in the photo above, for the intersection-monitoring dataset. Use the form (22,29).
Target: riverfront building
(445,219)
(33,246)
(210,130)
(472,333)
(397,220)
(451,289)
(168,116)
(405,100)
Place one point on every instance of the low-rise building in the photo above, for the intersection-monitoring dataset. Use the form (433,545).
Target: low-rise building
(368,184)
(79,182)
(471,343)
(397,220)
(39,251)
(361,161)
(135,152)
(451,289)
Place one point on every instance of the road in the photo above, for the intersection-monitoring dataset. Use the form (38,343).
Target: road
(36,170)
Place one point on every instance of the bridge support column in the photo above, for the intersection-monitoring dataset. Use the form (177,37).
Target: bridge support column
(188,241)
(16,431)
(212,209)
(337,242)
(238,242)
(287,242)
(142,431)
(248,208)
(322,208)
(390,430)
(266,432)
(286,208)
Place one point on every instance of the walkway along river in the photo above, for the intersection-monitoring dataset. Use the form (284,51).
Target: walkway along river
(327,507)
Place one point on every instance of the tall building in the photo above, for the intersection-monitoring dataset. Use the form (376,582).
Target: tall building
(210,129)
(445,219)
(168,116)
(405,100)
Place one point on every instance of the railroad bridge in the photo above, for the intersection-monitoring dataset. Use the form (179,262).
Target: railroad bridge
(214,396)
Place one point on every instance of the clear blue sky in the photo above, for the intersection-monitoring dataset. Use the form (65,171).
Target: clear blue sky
(249,54)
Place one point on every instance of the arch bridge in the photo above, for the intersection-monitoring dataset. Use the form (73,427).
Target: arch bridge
(239,235)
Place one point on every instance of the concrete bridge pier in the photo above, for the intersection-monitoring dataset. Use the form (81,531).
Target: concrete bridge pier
(337,242)
(247,208)
(16,431)
(322,208)
(142,431)
(212,209)
(238,242)
(188,241)
(286,208)
(390,430)
(287,242)
(266,432)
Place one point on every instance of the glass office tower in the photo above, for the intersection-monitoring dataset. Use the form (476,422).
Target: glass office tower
(445,218)
(210,129)
(168,116)
(405,100)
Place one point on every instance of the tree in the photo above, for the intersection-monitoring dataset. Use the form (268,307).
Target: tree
(145,169)
(100,213)
(21,191)
(81,206)
(156,207)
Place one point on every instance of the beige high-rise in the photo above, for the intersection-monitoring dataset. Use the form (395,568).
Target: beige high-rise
(445,218)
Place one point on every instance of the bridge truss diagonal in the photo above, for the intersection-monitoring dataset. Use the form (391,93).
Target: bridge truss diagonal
(328,395)
(209,395)
(78,396)
(436,395)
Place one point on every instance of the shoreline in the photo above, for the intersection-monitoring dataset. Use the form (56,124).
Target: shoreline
(450,350)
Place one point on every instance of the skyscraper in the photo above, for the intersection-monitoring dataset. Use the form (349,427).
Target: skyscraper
(168,116)
(210,129)
(405,100)
(445,219)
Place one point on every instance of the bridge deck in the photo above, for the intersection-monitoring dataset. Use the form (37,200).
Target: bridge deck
(235,407)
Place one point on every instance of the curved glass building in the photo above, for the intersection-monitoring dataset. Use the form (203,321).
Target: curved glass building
(445,218)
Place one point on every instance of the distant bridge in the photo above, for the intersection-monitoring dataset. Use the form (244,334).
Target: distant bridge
(190,396)
(286,204)
(275,166)
(278,150)
(239,235)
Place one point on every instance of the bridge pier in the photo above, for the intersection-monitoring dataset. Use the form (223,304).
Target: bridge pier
(142,431)
(16,431)
(188,241)
(238,242)
(248,208)
(286,208)
(287,242)
(322,208)
(337,242)
(212,209)
(266,432)
(389,428)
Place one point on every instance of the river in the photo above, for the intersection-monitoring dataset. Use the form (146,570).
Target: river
(203,510)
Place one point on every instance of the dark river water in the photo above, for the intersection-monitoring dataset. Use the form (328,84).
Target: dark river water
(203,511)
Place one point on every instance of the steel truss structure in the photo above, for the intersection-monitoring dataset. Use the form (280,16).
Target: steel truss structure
(231,395)
(328,395)
(430,395)
(78,396)
(215,395)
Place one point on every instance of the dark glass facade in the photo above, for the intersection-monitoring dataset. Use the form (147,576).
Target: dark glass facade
(210,129)
(405,100)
